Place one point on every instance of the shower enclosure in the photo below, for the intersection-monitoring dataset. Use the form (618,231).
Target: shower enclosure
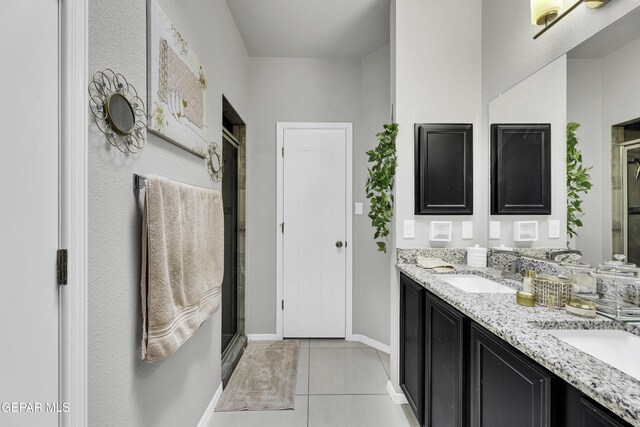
(631,201)
(233,339)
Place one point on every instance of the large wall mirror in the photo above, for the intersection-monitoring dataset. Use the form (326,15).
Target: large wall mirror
(595,85)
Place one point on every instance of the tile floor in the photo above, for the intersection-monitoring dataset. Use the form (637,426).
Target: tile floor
(340,384)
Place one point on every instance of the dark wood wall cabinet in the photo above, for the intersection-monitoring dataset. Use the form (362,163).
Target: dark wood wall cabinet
(443,169)
(455,373)
(520,169)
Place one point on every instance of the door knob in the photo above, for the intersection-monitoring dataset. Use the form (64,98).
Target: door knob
(338,244)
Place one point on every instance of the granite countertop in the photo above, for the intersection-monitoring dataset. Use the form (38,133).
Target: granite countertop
(526,328)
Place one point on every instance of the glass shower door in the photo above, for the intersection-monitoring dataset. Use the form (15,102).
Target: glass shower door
(632,203)
(230,281)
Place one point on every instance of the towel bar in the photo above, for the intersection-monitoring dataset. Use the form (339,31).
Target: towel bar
(140,182)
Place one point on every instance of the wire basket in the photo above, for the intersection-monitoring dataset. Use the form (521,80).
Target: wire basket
(543,285)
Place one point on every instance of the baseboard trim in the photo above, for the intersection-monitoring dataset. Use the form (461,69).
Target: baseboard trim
(397,398)
(208,413)
(370,342)
(262,337)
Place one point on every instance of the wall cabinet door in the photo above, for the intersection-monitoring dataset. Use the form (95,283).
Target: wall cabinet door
(412,344)
(507,389)
(445,390)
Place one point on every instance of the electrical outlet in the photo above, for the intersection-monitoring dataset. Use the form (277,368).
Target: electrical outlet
(554,229)
(409,229)
(467,229)
(358,208)
(494,229)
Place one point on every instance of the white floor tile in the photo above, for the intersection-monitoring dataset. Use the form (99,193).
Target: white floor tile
(295,418)
(334,343)
(386,362)
(346,371)
(302,385)
(355,411)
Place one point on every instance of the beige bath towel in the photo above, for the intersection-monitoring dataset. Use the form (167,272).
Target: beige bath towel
(182,263)
(435,264)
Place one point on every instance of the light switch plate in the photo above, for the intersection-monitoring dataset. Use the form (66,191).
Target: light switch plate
(494,229)
(467,229)
(358,208)
(409,229)
(554,229)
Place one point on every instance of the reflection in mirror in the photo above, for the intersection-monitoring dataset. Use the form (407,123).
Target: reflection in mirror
(539,99)
(120,113)
(603,96)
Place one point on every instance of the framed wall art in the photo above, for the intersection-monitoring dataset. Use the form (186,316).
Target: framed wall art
(177,85)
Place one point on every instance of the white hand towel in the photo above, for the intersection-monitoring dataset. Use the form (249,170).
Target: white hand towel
(182,263)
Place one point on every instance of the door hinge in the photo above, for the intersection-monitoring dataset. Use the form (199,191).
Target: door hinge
(345,243)
(61,266)
(282,227)
(282,151)
(283,304)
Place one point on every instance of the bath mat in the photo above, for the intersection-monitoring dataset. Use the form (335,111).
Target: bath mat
(265,378)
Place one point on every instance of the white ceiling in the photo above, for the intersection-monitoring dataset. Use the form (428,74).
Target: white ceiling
(312,28)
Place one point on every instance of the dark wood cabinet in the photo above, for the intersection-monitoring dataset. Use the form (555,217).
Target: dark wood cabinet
(574,409)
(445,360)
(507,389)
(455,373)
(520,169)
(443,169)
(412,346)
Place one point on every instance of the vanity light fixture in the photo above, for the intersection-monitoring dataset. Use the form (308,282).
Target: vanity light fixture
(594,4)
(546,12)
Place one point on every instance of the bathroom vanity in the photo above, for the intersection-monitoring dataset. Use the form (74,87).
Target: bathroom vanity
(478,359)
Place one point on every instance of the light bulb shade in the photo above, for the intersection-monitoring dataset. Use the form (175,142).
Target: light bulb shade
(594,4)
(543,11)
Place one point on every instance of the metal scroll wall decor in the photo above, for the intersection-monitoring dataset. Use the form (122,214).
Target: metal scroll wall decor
(213,159)
(118,111)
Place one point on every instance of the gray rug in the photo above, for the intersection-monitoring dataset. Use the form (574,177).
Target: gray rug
(265,378)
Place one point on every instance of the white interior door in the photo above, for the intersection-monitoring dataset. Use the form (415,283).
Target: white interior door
(29,213)
(315,230)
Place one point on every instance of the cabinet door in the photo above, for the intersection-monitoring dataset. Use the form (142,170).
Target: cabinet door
(444,365)
(507,389)
(412,344)
(577,410)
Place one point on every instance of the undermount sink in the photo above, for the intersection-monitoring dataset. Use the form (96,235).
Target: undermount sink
(619,349)
(475,284)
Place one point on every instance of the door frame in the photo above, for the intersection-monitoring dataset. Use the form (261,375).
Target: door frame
(73,201)
(624,149)
(280,128)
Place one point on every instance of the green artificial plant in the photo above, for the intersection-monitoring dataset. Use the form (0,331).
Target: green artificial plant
(379,185)
(578,181)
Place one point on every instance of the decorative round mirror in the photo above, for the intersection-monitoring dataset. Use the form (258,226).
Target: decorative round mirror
(118,111)
(120,114)
(215,165)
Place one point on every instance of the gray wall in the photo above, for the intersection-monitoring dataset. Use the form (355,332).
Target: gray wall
(313,90)
(437,80)
(122,389)
(371,268)
(584,106)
